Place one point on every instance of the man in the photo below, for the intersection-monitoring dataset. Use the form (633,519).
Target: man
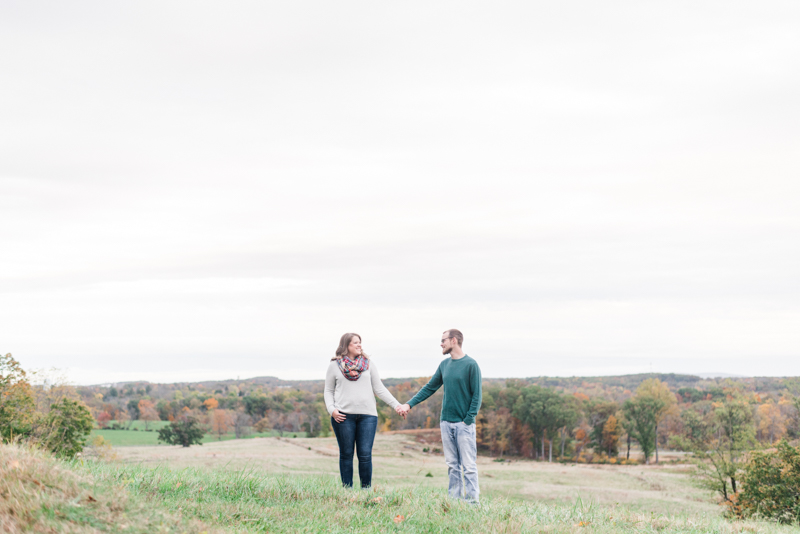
(461,378)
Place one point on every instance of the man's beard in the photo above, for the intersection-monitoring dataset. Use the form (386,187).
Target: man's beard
(447,351)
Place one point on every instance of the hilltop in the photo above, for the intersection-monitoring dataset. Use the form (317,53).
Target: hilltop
(41,494)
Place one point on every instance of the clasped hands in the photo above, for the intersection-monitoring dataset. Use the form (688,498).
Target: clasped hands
(403,409)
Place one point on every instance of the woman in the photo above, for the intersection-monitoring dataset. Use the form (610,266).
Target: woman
(351,384)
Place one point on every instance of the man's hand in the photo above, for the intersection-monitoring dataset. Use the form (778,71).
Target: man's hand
(403,410)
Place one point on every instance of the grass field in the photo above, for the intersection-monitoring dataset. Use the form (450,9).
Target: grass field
(398,462)
(40,494)
(140,436)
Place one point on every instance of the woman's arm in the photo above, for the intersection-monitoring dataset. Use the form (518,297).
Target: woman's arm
(330,388)
(379,389)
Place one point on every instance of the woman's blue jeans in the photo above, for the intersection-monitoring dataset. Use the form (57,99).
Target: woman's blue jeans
(356,432)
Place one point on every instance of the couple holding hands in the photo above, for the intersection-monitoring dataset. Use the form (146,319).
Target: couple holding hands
(351,384)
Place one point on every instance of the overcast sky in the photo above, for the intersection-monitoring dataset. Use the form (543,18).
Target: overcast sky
(194,190)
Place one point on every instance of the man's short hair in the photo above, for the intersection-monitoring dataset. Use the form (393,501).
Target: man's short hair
(453,333)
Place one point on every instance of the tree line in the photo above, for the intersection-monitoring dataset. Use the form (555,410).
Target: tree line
(596,419)
(577,419)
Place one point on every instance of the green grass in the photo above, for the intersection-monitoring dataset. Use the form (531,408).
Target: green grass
(399,462)
(41,494)
(130,438)
(140,425)
(254,501)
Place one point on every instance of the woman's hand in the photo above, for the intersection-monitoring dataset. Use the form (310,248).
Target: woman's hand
(338,416)
(402,409)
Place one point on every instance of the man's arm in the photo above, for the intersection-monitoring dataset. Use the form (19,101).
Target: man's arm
(475,386)
(428,389)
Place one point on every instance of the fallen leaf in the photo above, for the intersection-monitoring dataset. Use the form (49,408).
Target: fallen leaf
(377,499)
(178,485)
(14,464)
(91,499)
(398,518)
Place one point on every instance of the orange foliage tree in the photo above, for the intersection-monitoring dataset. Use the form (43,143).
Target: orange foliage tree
(771,422)
(17,404)
(147,412)
(497,431)
(612,431)
(221,422)
(582,438)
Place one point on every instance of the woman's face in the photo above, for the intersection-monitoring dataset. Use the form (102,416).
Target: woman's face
(354,348)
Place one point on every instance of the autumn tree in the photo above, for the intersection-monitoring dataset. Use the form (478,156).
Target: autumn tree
(147,412)
(542,409)
(771,422)
(720,460)
(794,402)
(496,431)
(123,418)
(102,419)
(612,431)
(656,389)
(564,419)
(582,438)
(262,425)
(242,424)
(221,422)
(695,432)
(642,414)
(275,421)
(596,413)
(211,403)
(17,403)
(629,428)
(133,408)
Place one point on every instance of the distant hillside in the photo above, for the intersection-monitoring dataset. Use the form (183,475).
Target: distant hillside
(573,383)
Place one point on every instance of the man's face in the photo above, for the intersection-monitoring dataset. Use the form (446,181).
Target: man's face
(447,343)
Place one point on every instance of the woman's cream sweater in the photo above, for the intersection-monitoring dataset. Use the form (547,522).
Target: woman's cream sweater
(357,396)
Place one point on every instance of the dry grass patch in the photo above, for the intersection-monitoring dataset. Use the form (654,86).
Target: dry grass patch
(41,494)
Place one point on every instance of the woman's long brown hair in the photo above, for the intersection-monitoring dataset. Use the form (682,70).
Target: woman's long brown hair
(344,343)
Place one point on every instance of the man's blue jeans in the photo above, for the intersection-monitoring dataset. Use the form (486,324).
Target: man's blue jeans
(461,456)
(356,432)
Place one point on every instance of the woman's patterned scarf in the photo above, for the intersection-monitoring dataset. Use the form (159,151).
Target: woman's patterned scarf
(352,369)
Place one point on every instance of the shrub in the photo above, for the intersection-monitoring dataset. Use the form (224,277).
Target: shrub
(66,427)
(771,483)
(100,448)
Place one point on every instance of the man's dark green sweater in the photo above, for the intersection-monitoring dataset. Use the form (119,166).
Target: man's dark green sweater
(462,389)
